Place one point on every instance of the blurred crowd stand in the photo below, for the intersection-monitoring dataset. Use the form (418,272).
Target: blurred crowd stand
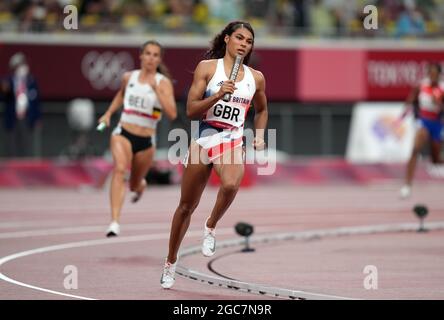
(313,18)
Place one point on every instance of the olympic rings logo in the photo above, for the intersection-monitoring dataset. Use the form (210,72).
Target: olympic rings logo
(105,70)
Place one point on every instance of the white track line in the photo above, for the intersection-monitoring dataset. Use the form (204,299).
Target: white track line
(251,287)
(87,243)
(31,223)
(254,287)
(76,230)
(304,235)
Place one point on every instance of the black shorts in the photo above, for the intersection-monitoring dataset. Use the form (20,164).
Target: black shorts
(138,143)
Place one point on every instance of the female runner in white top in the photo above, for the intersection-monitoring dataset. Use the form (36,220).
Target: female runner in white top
(220,134)
(145,94)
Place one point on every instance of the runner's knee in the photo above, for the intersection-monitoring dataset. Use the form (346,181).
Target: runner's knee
(230,185)
(186,208)
(119,170)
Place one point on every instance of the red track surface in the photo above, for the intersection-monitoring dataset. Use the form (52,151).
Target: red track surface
(410,265)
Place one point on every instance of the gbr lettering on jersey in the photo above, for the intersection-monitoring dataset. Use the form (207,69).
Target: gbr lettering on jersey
(232,113)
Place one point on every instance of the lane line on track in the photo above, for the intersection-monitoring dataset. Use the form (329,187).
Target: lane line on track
(81,244)
(78,230)
(230,284)
(303,235)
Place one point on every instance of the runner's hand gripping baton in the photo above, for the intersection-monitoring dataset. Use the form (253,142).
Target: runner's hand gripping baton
(233,75)
(101,126)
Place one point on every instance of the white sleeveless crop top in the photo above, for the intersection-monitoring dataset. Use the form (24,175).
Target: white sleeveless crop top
(427,105)
(140,103)
(230,114)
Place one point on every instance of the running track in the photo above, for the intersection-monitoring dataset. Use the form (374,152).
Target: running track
(410,265)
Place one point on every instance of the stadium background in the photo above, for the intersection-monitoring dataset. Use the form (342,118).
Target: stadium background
(322,218)
(317,58)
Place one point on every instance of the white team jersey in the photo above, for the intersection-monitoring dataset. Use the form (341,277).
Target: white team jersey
(140,104)
(427,96)
(230,114)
